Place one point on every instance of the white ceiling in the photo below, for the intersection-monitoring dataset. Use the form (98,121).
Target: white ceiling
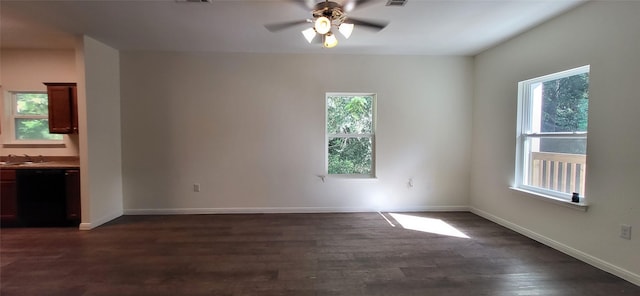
(429,27)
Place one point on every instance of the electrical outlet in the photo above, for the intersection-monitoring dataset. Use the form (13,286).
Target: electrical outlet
(196,187)
(625,231)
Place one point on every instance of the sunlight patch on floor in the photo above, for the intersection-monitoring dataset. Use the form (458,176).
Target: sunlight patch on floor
(430,225)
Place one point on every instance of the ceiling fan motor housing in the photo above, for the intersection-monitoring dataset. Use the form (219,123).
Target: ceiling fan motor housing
(331,10)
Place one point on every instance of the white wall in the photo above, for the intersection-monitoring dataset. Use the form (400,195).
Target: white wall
(250,129)
(26,70)
(100,141)
(605,35)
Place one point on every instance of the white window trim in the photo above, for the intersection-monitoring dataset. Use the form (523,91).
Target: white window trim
(372,135)
(523,114)
(581,206)
(8,125)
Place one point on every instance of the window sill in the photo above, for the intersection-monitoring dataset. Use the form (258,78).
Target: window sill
(352,177)
(348,177)
(581,206)
(34,145)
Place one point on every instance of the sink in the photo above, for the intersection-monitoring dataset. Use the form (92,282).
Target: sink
(16,160)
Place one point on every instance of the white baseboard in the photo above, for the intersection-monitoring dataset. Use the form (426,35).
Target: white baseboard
(266,210)
(596,262)
(98,222)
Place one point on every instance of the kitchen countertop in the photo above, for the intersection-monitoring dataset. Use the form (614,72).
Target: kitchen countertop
(46,162)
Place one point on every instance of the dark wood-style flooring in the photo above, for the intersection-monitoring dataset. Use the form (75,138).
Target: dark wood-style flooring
(291,254)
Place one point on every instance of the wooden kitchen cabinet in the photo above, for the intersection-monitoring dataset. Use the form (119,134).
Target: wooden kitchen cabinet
(72,179)
(40,197)
(8,197)
(63,107)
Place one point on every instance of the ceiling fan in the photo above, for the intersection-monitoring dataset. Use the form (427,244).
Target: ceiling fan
(326,16)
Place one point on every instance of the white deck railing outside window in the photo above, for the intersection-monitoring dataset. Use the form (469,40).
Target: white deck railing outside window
(558,171)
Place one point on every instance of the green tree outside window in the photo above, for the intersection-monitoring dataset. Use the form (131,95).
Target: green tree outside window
(31,117)
(350,134)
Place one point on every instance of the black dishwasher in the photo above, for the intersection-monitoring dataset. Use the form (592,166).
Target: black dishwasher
(41,197)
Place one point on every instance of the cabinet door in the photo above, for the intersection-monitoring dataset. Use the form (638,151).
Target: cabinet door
(74,109)
(8,196)
(73,194)
(62,108)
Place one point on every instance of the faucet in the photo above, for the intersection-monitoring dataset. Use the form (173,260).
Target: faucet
(28,158)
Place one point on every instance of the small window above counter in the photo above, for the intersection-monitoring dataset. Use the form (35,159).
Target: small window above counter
(41,119)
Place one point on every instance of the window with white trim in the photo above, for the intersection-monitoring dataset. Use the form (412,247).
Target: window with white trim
(28,120)
(552,134)
(350,134)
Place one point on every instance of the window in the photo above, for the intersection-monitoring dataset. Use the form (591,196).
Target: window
(29,120)
(351,134)
(552,133)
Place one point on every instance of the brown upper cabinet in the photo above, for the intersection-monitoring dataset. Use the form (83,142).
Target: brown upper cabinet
(63,107)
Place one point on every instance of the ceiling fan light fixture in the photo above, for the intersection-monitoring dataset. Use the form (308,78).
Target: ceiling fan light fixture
(330,40)
(309,34)
(346,30)
(322,25)
(327,17)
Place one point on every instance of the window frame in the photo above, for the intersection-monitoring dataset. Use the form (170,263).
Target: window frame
(371,135)
(523,133)
(9,128)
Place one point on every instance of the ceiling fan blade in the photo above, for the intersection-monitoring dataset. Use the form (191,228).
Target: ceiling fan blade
(350,5)
(284,25)
(306,4)
(374,25)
